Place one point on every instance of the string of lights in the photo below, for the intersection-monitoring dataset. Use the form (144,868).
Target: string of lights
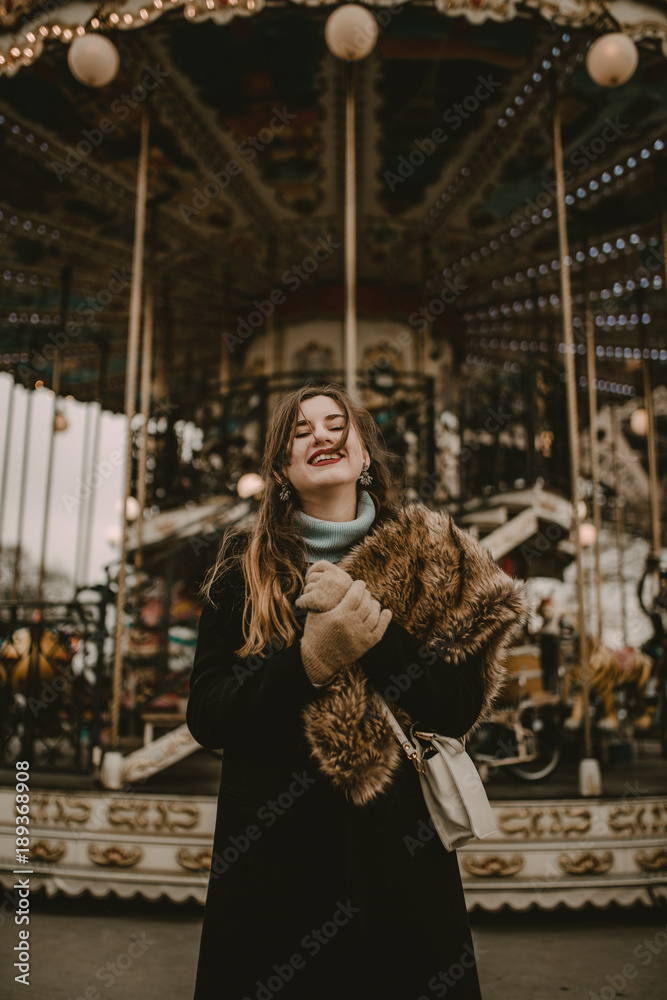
(627,245)
(616,352)
(535,80)
(512,367)
(26,54)
(619,289)
(605,178)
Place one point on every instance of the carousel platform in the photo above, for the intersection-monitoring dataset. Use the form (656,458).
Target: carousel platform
(154,839)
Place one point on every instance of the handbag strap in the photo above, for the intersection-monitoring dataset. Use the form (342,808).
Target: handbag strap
(403,739)
(458,743)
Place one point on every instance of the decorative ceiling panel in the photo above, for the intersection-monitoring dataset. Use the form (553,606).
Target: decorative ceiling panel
(455,174)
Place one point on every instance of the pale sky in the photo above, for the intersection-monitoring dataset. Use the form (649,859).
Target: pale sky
(65,515)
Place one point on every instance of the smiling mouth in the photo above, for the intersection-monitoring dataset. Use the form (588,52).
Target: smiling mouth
(328,460)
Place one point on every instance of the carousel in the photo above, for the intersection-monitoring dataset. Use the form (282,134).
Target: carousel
(455,208)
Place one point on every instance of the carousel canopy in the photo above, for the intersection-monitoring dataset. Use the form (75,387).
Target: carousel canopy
(455,182)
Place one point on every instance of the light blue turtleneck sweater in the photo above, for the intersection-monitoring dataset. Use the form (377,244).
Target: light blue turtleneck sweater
(330,540)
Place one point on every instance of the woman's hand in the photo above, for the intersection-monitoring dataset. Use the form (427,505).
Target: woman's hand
(326,586)
(336,638)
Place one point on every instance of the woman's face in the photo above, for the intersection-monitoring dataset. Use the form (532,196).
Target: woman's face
(319,426)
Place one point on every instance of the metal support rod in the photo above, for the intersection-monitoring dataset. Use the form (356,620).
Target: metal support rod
(595,456)
(573,417)
(65,285)
(654,487)
(22,504)
(5,457)
(90,510)
(134,327)
(49,478)
(81,519)
(350,237)
(146,381)
(620,518)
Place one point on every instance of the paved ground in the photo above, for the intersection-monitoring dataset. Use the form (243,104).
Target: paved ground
(86,949)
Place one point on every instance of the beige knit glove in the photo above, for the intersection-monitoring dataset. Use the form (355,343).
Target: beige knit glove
(336,638)
(326,586)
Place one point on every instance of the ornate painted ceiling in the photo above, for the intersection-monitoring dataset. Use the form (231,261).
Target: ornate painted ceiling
(246,104)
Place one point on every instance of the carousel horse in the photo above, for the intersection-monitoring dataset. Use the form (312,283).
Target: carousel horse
(611,669)
(46,659)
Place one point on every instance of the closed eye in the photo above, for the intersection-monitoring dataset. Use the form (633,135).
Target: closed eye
(305,433)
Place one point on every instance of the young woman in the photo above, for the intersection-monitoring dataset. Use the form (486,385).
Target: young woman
(327,878)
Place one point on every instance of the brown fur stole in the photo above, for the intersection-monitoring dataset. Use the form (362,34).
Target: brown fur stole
(444,588)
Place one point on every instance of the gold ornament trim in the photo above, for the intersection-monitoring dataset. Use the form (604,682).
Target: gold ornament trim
(493,865)
(199,862)
(42,850)
(656,862)
(114,856)
(157,816)
(529,822)
(586,863)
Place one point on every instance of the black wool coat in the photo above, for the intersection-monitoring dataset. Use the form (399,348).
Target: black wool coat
(313,896)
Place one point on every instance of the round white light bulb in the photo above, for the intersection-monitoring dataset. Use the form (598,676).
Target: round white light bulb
(132,508)
(612,59)
(587,534)
(112,535)
(639,422)
(93,60)
(249,485)
(351,32)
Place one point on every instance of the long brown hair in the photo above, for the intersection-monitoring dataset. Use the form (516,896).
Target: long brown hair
(273,554)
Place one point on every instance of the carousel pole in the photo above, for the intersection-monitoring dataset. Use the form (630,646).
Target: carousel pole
(620,519)
(145,402)
(81,520)
(350,33)
(595,456)
(654,491)
(55,388)
(648,388)
(65,282)
(130,411)
(5,456)
(22,504)
(350,237)
(90,511)
(589,768)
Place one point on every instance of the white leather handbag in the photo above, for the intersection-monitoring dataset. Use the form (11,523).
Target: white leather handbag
(453,791)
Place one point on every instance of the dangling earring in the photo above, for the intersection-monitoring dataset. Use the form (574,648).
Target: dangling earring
(285,492)
(365,478)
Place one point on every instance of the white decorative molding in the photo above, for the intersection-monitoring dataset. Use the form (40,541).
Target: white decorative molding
(157,755)
(544,854)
